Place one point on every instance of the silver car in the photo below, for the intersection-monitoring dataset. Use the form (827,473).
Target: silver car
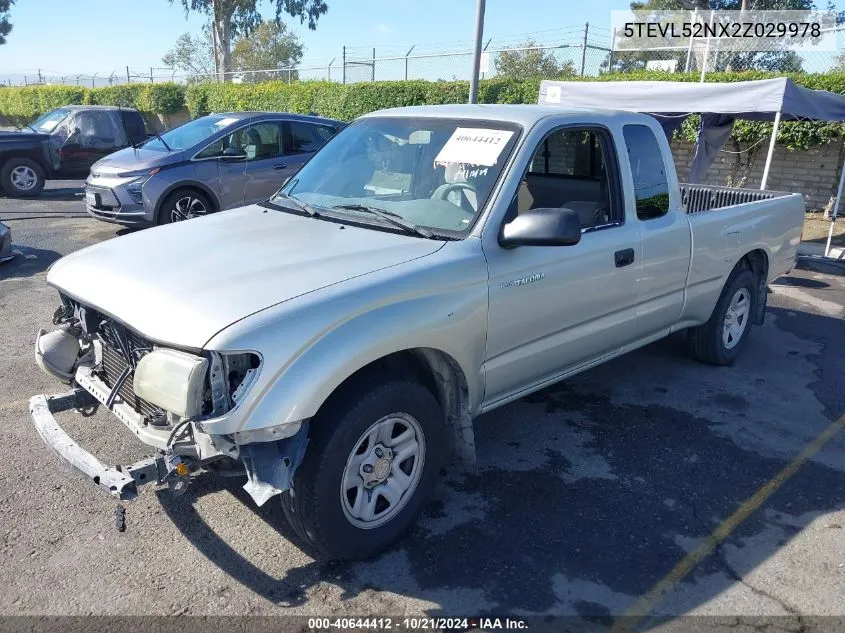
(216,162)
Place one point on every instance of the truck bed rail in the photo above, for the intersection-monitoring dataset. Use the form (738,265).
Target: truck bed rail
(697,198)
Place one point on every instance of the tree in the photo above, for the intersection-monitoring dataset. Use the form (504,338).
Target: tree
(5,25)
(233,18)
(271,45)
(194,55)
(530,61)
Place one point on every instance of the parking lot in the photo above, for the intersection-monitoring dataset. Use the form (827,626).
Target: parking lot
(652,486)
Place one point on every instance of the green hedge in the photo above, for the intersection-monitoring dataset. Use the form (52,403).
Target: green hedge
(352,100)
(22,105)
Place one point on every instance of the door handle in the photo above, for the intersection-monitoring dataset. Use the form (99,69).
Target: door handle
(624,257)
(280,166)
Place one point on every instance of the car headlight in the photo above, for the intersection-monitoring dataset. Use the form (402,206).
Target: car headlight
(135,186)
(172,380)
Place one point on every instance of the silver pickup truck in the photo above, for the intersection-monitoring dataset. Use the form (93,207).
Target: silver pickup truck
(427,265)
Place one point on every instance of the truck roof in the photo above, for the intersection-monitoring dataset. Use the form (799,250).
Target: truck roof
(524,114)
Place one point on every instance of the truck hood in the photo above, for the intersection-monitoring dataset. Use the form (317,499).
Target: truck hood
(130,159)
(183,283)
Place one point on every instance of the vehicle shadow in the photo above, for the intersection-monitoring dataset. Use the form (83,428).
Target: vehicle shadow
(588,492)
(56,193)
(27,261)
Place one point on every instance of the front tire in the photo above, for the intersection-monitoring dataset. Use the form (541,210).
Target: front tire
(22,177)
(183,204)
(721,340)
(373,457)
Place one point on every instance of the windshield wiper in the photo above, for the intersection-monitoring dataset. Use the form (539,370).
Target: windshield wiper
(388,216)
(158,136)
(301,206)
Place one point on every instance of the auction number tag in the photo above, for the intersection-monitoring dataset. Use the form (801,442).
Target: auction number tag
(475,146)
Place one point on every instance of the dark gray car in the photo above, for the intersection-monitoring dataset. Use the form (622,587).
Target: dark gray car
(216,162)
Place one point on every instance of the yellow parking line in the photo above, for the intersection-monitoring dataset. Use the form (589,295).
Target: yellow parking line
(642,607)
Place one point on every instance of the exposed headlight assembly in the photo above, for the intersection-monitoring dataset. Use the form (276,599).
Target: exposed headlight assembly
(172,380)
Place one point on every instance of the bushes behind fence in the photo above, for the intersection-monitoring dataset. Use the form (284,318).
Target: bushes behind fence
(351,100)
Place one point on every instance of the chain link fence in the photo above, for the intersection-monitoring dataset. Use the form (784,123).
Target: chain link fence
(584,50)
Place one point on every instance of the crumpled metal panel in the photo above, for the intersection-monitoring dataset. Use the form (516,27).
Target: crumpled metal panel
(270,466)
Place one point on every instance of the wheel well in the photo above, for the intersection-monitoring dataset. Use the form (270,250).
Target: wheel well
(212,199)
(443,377)
(757,261)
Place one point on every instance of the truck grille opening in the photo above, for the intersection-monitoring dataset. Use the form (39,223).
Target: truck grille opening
(113,366)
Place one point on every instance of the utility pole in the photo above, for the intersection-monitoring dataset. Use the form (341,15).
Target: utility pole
(128,80)
(344,65)
(476,55)
(584,47)
(373,75)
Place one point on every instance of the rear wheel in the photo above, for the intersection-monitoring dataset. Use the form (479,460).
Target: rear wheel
(372,460)
(721,340)
(183,204)
(22,177)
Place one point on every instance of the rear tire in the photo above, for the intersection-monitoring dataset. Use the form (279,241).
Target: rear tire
(324,507)
(183,204)
(721,340)
(22,178)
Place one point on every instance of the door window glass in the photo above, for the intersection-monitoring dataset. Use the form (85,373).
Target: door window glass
(255,142)
(304,138)
(569,170)
(95,130)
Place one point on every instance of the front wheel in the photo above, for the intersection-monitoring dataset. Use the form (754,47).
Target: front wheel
(372,460)
(183,204)
(723,337)
(22,177)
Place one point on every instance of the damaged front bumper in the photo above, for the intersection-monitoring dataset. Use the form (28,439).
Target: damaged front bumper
(119,481)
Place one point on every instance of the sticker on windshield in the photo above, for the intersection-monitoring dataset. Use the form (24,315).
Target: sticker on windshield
(474,146)
(48,125)
(225,122)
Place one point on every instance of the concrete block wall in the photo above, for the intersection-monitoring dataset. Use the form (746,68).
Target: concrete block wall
(813,172)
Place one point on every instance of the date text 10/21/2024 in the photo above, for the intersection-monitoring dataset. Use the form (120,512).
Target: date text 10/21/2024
(422,623)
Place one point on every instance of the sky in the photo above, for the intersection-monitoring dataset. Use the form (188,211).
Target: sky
(104,36)
(84,37)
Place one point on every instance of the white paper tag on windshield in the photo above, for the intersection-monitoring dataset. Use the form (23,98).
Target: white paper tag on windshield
(225,122)
(49,125)
(475,146)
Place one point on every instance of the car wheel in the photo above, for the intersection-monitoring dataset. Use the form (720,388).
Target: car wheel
(22,177)
(373,457)
(721,340)
(183,204)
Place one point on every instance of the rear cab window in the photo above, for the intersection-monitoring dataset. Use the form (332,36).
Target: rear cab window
(648,172)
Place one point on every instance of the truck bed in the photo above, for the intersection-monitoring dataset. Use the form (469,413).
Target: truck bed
(697,198)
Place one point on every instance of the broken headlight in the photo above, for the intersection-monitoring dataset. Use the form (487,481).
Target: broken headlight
(172,380)
(229,377)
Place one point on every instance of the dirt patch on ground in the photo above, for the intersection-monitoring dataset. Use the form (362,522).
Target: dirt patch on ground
(816,227)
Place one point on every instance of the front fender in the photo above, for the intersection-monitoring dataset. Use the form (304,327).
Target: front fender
(307,355)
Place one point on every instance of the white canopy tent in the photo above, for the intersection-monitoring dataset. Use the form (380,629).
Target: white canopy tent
(719,105)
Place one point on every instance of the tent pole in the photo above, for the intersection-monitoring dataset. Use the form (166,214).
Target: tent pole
(771,153)
(835,211)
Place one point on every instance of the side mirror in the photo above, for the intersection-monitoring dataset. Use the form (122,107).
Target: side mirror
(232,154)
(542,227)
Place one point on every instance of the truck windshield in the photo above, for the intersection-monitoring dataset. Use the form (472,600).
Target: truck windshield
(427,172)
(191,133)
(48,122)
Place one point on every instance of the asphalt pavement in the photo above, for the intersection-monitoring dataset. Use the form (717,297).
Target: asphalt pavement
(652,486)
